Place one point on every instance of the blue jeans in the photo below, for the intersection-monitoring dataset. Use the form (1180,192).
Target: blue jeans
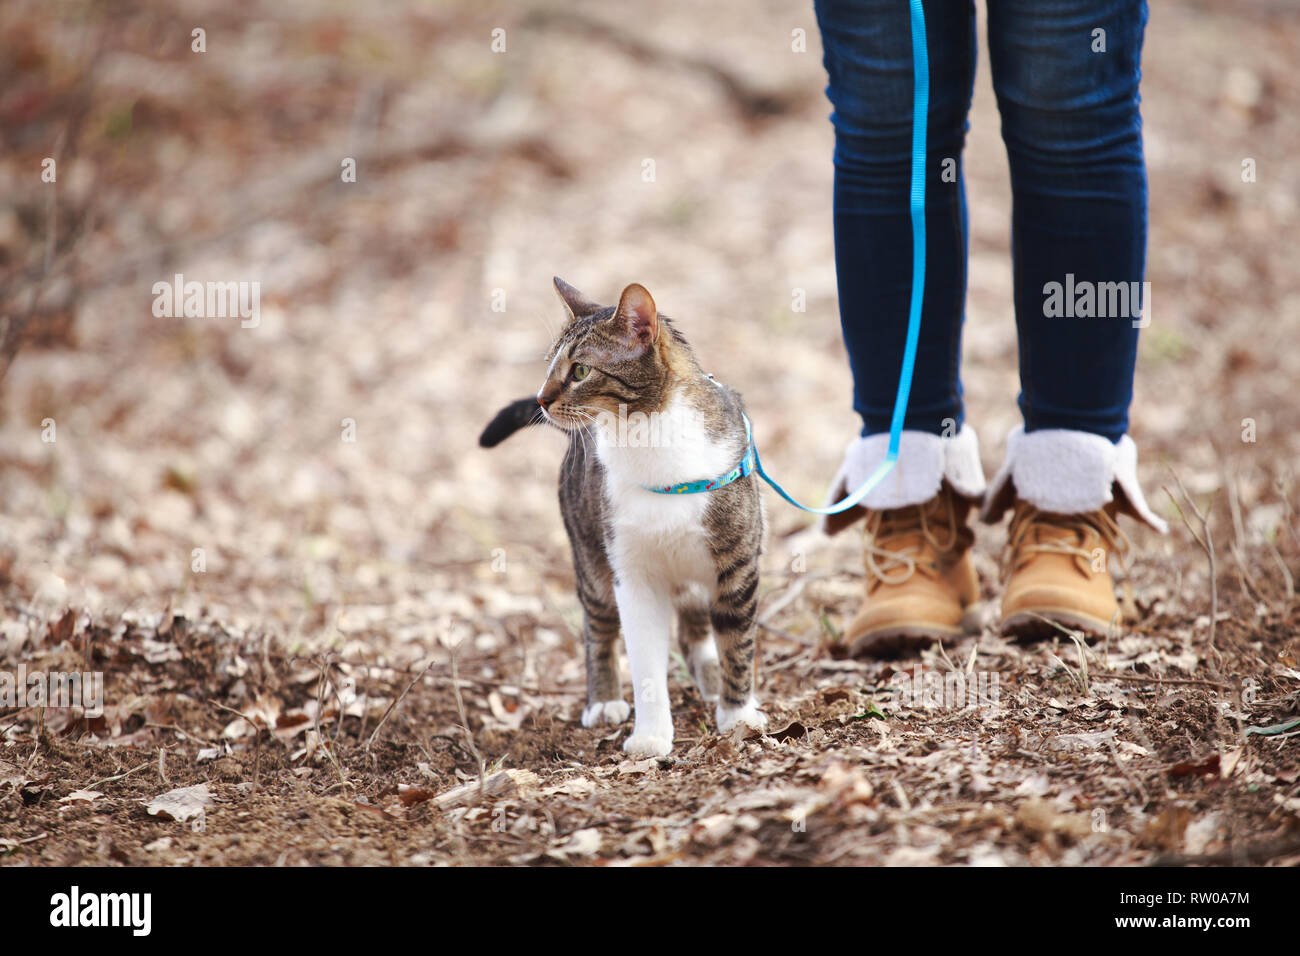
(1068,97)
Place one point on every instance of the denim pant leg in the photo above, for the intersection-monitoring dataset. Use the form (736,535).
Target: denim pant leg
(868,58)
(1066,75)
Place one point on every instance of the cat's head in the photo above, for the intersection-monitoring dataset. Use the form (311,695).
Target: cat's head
(609,356)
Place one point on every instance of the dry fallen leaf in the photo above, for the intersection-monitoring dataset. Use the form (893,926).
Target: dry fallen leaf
(712,830)
(504,783)
(1075,743)
(291,723)
(1187,768)
(1040,817)
(181,804)
(57,632)
(10,773)
(1228,763)
(630,767)
(1034,785)
(582,843)
(795,731)
(846,785)
(1166,830)
(86,795)
(573,787)
(410,796)
(159,652)
(508,710)
(361,804)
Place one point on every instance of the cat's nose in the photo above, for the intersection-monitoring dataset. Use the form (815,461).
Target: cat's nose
(545,400)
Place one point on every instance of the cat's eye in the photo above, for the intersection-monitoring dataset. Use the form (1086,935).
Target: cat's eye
(579,372)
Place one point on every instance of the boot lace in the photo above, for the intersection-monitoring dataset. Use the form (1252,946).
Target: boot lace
(918,525)
(1077,535)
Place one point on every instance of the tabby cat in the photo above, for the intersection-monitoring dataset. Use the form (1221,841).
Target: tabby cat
(640,414)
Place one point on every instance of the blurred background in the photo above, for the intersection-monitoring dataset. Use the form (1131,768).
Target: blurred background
(245,527)
(496,145)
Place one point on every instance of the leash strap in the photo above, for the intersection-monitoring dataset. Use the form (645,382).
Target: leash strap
(920,110)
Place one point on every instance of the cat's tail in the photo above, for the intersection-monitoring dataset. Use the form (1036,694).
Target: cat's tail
(518,414)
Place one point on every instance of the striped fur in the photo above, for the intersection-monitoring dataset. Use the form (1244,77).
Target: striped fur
(646,414)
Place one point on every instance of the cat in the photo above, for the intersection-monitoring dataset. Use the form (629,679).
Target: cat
(641,414)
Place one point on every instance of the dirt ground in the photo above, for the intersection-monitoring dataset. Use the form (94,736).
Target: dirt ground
(314,598)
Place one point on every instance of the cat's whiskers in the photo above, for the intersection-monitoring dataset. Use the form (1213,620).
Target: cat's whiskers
(584,433)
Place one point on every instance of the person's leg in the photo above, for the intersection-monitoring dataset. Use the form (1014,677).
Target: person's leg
(920,582)
(1066,75)
(868,58)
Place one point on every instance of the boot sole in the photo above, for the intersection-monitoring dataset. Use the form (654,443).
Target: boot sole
(901,640)
(1029,626)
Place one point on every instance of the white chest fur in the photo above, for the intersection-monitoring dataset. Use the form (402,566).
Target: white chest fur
(659,538)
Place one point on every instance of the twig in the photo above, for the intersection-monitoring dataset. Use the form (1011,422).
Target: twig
(114,779)
(1082,679)
(793,638)
(1079,680)
(464,720)
(1237,547)
(1207,545)
(1286,574)
(1132,778)
(1164,680)
(24,842)
(795,658)
(257,739)
(52,210)
(330,746)
(750,102)
(1082,649)
(268,198)
(784,600)
(176,729)
(393,706)
(943,656)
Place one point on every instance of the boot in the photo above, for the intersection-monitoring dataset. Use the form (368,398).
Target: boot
(1065,489)
(920,583)
(920,580)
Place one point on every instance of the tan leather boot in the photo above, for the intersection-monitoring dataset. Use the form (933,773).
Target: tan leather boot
(1055,571)
(920,580)
(1065,489)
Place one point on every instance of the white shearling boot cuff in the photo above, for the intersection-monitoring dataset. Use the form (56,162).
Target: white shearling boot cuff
(1069,472)
(924,461)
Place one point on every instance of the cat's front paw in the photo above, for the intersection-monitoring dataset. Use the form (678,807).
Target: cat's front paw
(605,712)
(748,714)
(648,745)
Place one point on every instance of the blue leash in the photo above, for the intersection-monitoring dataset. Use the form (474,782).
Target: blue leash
(920,110)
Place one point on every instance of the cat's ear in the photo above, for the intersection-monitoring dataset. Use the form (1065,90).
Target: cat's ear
(574,301)
(636,315)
